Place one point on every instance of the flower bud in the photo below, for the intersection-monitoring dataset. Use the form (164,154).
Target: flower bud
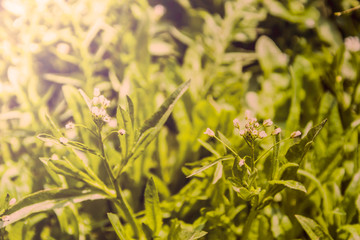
(209,132)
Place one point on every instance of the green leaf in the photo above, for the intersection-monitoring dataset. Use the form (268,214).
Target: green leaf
(177,232)
(270,56)
(297,152)
(125,122)
(153,125)
(244,193)
(313,229)
(73,144)
(290,184)
(119,230)
(47,200)
(152,207)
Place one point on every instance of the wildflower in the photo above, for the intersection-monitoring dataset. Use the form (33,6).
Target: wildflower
(96,92)
(262,134)
(295,134)
(95,101)
(121,132)
(256,124)
(276,131)
(209,132)
(254,132)
(267,123)
(70,125)
(63,140)
(106,118)
(252,120)
(12,201)
(242,132)
(242,162)
(236,123)
(352,44)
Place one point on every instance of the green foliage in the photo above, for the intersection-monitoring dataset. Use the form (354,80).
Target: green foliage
(143,158)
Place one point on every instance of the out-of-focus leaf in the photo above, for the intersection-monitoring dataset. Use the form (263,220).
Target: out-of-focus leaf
(313,229)
(269,55)
(47,200)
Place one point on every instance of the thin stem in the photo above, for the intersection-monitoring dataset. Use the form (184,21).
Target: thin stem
(248,223)
(232,150)
(83,126)
(121,200)
(347,11)
(267,151)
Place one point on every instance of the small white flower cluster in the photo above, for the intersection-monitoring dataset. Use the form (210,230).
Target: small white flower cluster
(98,106)
(252,127)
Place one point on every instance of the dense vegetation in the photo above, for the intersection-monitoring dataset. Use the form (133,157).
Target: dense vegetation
(184,119)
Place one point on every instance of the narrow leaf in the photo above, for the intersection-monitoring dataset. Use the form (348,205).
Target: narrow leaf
(313,229)
(47,200)
(119,230)
(153,125)
(290,184)
(152,207)
(209,165)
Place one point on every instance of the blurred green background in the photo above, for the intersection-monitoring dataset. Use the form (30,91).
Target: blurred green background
(293,61)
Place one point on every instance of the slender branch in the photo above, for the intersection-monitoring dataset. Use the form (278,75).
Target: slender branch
(120,199)
(250,219)
(347,11)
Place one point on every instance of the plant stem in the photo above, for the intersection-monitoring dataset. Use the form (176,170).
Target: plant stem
(248,223)
(124,206)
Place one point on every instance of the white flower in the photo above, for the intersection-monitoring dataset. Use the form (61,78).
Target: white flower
(276,131)
(236,123)
(70,125)
(242,132)
(95,111)
(122,132)
(242,162)
(63,140)
(254,132)
(267,123)
(12,201)
(106,118)
(95,101)
(352,44)
(256,124)
(209,132)
(295,134)
(96,92)
(262,134)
